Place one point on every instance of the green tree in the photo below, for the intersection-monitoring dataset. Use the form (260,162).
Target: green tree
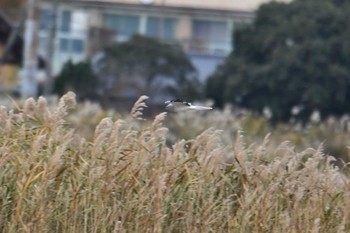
(145,65)
(79,78)
(292,54)
(129,69)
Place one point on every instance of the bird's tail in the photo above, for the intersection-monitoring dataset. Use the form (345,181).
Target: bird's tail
(194,107)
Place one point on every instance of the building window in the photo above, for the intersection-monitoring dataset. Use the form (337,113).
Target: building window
(124,26)
(155,25)
(75,46)
(66,18)
(64,45)
(45,19)
(212,36)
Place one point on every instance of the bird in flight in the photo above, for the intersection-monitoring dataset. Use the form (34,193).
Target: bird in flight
(178,105)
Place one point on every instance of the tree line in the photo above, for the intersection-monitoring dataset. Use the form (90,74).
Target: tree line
(293,55)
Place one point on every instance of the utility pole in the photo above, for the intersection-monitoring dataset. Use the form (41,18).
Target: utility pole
(50,49)
(161,28)
(28,73)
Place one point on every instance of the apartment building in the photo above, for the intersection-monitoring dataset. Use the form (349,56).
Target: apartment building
(202,27)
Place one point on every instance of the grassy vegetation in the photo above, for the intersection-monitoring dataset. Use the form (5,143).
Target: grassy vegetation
(172,174)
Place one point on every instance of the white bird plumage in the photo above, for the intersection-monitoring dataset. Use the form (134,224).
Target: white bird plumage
(178,105)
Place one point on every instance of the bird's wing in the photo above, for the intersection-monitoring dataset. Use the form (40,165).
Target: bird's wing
(194,107)
(180,101)
(181,106)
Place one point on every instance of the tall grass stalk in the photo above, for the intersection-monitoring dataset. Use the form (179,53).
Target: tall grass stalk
(128,178)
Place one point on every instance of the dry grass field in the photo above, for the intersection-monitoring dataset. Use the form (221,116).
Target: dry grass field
(75,168)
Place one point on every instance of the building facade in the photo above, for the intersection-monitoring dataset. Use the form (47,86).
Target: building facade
(202,27)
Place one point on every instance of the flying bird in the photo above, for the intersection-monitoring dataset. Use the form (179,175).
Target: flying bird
(178,105)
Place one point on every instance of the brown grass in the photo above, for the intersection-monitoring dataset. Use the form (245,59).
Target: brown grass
(127,177)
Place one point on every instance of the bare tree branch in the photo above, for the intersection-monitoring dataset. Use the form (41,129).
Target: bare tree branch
(14,33)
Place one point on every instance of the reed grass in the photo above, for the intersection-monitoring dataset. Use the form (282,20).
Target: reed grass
(134,175)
